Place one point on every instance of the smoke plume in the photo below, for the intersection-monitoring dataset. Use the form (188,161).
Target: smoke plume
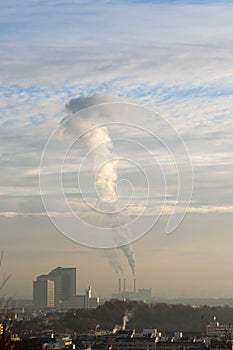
(129,253)
(124,322)
(114,262)
(126,318)
(104,165)
(116,328)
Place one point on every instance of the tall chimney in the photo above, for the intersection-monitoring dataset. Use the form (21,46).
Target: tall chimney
(134,285)
(119,286)
(124,288)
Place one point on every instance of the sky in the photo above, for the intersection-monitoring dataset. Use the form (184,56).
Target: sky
(169,64)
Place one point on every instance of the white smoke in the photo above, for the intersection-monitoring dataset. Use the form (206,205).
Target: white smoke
(116,328)
(129,253)
(114,262)
(96,140)
(104,165)
(99,142)
(125,319)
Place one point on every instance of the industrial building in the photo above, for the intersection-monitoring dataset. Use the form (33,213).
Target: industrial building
(140,294)
(85,301)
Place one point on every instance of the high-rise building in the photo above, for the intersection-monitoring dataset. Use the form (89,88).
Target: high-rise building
(43,292)
(57,286)
(65,283)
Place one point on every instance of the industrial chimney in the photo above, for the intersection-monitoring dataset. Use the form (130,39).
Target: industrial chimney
(124,288)
(119,289)
(134,285)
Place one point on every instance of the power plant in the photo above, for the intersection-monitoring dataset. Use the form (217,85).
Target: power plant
(134,294)
(120,290)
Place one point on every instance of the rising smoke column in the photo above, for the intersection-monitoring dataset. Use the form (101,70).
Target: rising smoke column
(125,320)
(128,251)
(114,262)
(99,142)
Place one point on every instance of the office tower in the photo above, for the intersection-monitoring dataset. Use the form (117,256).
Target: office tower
(57,286)
(65,283)
(43,292)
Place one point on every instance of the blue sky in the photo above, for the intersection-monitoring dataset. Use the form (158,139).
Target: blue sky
(174,57)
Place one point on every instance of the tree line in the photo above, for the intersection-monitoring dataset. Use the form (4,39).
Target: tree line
(163,317)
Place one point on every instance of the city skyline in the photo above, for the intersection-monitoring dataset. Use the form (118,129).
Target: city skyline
(171,62)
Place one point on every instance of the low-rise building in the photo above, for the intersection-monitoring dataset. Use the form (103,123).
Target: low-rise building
(215,330)
(85,301)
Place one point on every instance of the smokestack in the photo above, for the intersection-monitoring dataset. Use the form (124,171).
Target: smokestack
(119,286)
(134,285)
(124,285)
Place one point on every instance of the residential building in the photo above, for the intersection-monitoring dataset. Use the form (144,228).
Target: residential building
(215,330)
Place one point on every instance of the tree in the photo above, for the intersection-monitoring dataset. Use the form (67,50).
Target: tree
(5,277)
(5,315)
